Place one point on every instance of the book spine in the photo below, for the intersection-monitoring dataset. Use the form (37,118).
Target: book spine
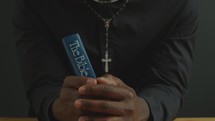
(77,55)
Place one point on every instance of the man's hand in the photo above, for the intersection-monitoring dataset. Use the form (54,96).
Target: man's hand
(114,99)
(63,108)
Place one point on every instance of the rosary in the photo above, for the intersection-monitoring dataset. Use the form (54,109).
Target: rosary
(107,22)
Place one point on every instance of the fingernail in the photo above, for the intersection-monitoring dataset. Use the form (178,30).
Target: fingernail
(82,90)
(77,103)
(91,81)
(83,118)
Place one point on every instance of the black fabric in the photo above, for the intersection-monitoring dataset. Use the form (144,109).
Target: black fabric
(151,46)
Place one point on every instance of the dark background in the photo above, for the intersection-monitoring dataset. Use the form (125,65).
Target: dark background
(199,102)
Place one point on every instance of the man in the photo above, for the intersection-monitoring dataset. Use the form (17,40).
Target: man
(149,44)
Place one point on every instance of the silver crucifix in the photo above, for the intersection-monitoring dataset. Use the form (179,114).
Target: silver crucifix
(106,60)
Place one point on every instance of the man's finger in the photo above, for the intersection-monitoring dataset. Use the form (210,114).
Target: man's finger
(106,91)
(102,106)
(101,118)
(78,81)
(110,80)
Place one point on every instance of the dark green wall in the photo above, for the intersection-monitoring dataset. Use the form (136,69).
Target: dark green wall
(12,98)
(200,101)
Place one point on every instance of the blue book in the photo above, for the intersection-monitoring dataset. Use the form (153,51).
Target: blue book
(77,55)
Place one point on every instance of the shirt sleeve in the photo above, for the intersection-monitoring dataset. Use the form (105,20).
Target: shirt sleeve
(42,67)
(169,69)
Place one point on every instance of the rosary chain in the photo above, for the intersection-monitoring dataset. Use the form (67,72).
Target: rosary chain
(117,13)
(106,21)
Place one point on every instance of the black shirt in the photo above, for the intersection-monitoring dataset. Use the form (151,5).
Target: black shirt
(151,45)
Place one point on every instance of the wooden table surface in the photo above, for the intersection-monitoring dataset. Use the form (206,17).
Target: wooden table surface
(194,119)
(178,119)
(18,119)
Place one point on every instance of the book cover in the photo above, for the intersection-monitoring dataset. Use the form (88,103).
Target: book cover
(77,56)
